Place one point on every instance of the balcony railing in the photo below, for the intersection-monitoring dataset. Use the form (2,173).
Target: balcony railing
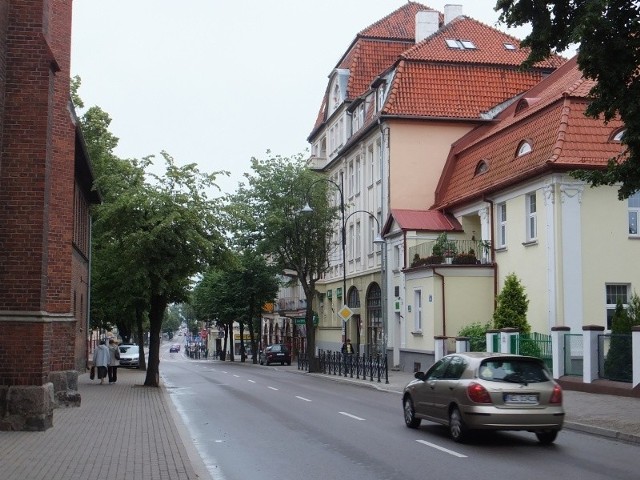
(456,252)
(291,303)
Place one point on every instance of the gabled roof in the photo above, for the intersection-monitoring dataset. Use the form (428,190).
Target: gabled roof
(421,220)
(432,79)
(550,117)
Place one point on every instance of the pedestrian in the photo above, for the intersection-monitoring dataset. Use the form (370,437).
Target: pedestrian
(101,359)
(347,348)
(114,356)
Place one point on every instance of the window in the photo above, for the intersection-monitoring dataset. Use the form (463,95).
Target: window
(381,96)
(357,175)
(617,136)
(460,44)
(417,314)
(532,219)
(524,148)
(372,234)
(502,225)
(352,179)
(396,258)
(634,212)
(615,293)
(371,164)
(481,168)
(509,46)
(358,240)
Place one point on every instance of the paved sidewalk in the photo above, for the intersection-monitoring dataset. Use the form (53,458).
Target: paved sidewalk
(120,431)
(127,431)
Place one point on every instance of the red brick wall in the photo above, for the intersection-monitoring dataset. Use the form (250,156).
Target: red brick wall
(38,330)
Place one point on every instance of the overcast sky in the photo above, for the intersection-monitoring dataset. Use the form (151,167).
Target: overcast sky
(217,82)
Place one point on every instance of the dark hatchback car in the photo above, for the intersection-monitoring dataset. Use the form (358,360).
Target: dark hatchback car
(276,353)
(486,391)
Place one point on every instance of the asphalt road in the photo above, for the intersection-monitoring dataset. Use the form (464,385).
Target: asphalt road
(265,423)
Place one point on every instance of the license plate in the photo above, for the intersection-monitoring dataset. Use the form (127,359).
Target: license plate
(521,398)
(280,354)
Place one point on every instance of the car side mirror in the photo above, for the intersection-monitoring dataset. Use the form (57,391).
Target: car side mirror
(420,376)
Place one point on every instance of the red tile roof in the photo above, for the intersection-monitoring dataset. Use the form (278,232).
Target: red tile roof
(489,43)
(422,220)
(454,90)
(398,25)
(551,118)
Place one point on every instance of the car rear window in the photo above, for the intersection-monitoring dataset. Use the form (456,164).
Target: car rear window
(279,348)
(513,371)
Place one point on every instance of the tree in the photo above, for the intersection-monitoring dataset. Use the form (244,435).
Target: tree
(165,230)
(477,333)
(512,306)
(267,211)
(618,364)
(608,32)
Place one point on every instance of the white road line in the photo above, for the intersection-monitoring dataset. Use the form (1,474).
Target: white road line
(442,449)
(252,381)
(350,416)
(237,376)
(302,398)
(273,388)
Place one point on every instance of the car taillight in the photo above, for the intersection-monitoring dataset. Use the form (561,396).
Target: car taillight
(477,393)
(556,396)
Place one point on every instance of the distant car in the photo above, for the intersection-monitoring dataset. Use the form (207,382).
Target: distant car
(129,355)
(276,353)
(486,391)
(175,348)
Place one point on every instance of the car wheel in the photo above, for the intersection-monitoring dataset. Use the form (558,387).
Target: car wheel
(457,428)
(547,437)
(288,363)
(410,414)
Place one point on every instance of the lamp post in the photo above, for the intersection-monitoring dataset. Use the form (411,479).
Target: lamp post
(376,241)
(307,209)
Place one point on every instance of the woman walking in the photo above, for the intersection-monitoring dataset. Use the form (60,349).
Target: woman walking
(101,359)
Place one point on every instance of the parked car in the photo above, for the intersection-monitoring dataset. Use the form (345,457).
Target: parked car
(486,391)
(175,348)
(276,353)
(129,355)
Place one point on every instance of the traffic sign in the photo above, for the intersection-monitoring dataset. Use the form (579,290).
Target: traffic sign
(345,313)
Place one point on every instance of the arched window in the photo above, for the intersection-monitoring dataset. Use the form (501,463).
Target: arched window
(353,299)
(524,148)
(375,334)
(618,134)
(481,167)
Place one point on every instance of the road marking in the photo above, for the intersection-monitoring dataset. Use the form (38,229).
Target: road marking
(442,449)
(273,388)
(237,376)
(252,381)
(302,398)
(350,416)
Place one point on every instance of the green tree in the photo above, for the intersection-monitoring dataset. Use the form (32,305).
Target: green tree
(512,306)
(608,32)
(477,333)
(267,211)
(618,364)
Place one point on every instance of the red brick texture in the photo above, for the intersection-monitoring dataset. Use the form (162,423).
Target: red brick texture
(44,276)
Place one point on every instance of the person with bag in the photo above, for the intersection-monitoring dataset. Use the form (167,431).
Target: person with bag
(101,359)
(114,352)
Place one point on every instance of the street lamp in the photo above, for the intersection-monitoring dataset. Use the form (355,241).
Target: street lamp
(378,240)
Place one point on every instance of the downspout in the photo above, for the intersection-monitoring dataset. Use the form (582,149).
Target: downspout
(444,309)
(88,330)
(493,253)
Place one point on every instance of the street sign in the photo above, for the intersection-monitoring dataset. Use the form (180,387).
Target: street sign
(345,313)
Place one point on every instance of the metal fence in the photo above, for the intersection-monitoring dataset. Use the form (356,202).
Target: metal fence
(535,345)
(615,358)
(366,367)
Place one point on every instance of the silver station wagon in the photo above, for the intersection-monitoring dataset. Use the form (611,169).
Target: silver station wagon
(486,391)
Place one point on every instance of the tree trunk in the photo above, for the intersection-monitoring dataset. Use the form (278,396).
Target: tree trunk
(140,340)
(156,313)
(314,365)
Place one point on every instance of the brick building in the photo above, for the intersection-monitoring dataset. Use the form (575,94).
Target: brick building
(45,193)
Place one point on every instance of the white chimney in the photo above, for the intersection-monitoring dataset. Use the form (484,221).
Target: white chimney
(451,12)
(427,23)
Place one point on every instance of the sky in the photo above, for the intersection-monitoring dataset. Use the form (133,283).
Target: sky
(218,82)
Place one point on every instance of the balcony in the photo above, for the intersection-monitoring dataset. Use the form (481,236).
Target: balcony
(291,304)
(455,252)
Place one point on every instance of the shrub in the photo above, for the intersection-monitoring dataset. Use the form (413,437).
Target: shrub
(477,334)
(512,306)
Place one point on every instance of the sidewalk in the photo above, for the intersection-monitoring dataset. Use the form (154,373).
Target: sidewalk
(134,432)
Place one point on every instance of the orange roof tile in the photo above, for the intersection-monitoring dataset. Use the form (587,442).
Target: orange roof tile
(561,136)
(455,91)
(422,220)
(398,25)
(488,41)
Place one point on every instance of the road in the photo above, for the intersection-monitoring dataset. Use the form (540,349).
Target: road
(250,422)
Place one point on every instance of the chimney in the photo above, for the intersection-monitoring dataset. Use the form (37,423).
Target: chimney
(451,12)
(427,23)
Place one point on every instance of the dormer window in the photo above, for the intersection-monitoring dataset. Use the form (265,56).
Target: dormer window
(524,148)
(481,168)
(381,96)
(460,44)
(617,135)
(335,98)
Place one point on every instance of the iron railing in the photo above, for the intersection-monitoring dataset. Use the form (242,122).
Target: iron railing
(365,367)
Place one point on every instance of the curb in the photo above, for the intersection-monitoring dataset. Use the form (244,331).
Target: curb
(602,432)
